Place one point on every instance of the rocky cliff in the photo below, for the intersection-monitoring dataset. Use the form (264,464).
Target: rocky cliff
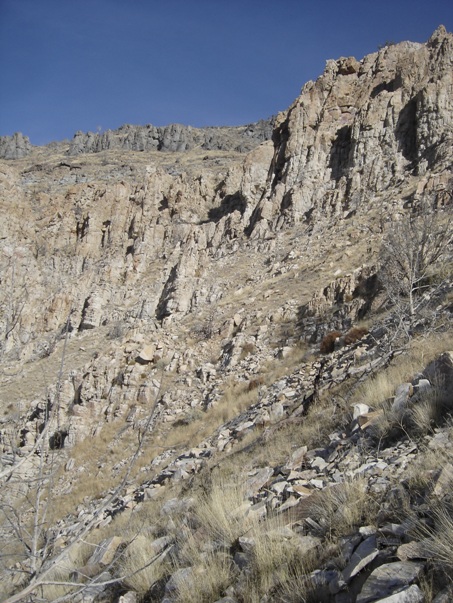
(180,299)
(175,137)
(14,147)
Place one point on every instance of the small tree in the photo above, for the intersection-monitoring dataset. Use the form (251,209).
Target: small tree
(414,259)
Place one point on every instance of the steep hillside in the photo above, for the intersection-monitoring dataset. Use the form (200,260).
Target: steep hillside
(216,381)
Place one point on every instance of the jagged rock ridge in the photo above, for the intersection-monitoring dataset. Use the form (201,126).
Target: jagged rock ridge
(14,147)
(172,138)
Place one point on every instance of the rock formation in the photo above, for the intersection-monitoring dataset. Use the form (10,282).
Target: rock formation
(205,300)
(174,137)
(14,147)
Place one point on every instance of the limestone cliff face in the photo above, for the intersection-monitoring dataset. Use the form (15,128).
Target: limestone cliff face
(171,138)
(360,129)
(141,240)
(174,137)
(14,147)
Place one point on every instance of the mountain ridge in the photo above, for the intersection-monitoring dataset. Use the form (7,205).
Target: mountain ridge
(174,137)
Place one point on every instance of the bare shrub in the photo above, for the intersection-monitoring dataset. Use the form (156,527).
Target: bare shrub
(354,335)
(327,344)
(413,258)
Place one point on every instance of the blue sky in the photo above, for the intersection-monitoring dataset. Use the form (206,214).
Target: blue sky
(69,65)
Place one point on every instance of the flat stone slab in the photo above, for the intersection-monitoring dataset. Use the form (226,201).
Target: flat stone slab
(412,594)
(415,550)
(362,556)
(389,579)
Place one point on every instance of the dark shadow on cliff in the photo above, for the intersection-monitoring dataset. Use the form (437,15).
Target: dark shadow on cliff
(228,205)
(390,86)
(340,152)
(406,132)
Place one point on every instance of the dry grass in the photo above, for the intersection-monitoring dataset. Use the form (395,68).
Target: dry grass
(275,446)
(194,427)
(425,413)
(380,387)
(343,507)
(206,580)
(218,520)
(222,509)
(278,563)
(141,566)
(441,541)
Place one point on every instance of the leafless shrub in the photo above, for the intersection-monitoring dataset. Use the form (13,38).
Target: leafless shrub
(414,259)
(327,344)
(354,335)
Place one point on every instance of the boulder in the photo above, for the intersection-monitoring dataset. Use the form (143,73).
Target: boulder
(389,579)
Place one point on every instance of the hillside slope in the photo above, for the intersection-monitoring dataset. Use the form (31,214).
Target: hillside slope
(203,369)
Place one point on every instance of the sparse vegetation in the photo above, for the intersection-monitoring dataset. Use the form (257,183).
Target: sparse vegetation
(343,507)
(354,335)
(143,564)
(415,255)
(327,345)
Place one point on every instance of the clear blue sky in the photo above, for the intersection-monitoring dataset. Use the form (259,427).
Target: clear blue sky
(68,65)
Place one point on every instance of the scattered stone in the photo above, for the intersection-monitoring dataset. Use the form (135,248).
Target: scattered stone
(389,579)
(415,550)
(147,354)
(412,594)
(362,556)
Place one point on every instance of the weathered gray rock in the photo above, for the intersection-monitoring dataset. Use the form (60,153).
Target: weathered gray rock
(443,481)
(412,594)
(444,597)
(174,137)
(257,480)
(363,555)
(105,551)
(15,146)
(402,395)
(389,579)
(440,372)
(415,550)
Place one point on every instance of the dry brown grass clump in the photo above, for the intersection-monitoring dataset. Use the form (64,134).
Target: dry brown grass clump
(327,344)
(343,507)
(354,335)
(376,390)
(206,579)
(279,563)
(221,510)
(142,566)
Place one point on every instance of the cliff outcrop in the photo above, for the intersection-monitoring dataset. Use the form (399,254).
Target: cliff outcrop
(210,292)
(362,129)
